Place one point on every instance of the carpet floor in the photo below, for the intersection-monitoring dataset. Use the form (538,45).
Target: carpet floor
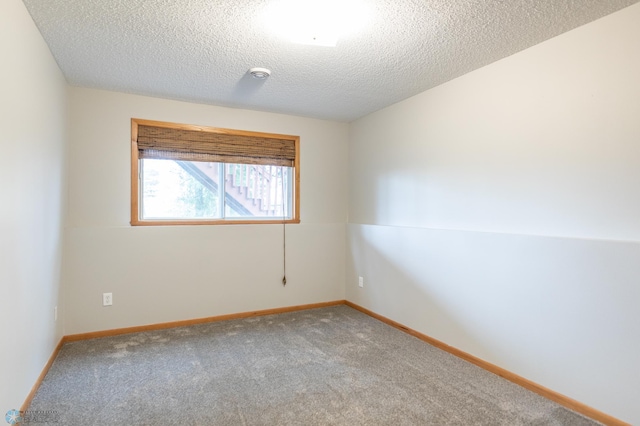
(328,366)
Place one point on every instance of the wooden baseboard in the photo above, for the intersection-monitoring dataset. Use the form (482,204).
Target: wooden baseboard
(183,323)
(492,368)
(45,370)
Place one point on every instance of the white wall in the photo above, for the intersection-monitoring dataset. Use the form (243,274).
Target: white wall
(500,213)
(32,140)
(160,274)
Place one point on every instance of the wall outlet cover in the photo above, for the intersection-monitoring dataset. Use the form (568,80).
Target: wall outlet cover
(107,299)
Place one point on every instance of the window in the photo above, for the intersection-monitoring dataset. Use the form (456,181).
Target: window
(190,175)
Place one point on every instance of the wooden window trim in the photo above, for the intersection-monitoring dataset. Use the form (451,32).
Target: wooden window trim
(135,196)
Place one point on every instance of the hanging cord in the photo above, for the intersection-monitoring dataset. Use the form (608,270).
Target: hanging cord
(284,232)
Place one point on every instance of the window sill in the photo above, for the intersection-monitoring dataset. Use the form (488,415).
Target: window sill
(211,222)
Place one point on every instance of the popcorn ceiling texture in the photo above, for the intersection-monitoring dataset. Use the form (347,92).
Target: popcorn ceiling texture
(201,50)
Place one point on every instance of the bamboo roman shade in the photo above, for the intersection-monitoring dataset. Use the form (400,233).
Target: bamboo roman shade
(217,145)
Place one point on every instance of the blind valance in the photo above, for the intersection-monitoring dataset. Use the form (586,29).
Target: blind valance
(216,145)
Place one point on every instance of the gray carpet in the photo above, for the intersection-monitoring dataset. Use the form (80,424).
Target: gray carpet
(332,366)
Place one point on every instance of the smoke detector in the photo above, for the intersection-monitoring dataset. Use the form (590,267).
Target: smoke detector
(260,73)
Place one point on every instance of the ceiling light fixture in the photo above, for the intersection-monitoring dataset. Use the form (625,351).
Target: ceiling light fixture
(319,23)
(260,73)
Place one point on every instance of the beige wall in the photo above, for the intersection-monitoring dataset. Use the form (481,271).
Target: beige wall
(162,274)
(32,140)
(500,213)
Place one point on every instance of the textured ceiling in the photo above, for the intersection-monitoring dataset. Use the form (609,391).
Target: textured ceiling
(200,50)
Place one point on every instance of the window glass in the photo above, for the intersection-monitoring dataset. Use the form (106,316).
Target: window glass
(181,190)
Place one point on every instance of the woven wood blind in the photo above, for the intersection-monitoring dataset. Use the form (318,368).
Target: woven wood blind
(225,147)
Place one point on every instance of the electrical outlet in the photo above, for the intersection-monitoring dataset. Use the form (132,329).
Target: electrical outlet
(107,299)
(360,282)
(55,313)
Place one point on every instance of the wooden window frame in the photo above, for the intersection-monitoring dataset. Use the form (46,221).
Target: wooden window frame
(135,162)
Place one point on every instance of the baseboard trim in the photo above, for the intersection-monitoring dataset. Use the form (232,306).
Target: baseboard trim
(492,368)
(183,323)
(43,373)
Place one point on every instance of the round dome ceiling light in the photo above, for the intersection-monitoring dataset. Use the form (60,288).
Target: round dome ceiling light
(259,73)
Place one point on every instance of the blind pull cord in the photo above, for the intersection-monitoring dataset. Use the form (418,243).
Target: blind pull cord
(284,233)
